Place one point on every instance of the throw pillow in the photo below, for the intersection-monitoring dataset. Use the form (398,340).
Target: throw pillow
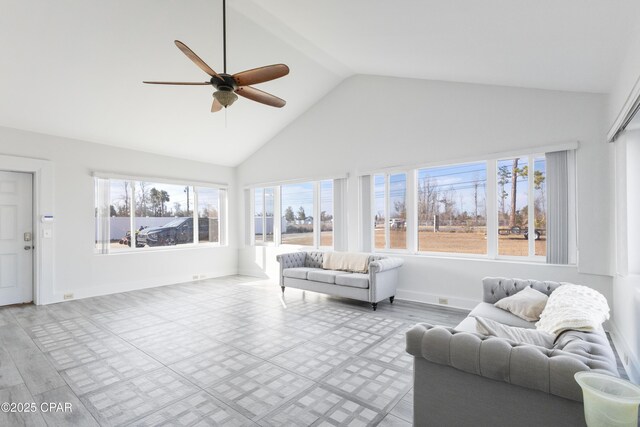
(513,333)
(526,304)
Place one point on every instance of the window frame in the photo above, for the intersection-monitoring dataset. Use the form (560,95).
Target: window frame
(105,225)
(409,206)
(491,202)
(277,215)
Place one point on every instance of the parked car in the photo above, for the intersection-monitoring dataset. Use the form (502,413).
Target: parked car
(126,240)
(175,232)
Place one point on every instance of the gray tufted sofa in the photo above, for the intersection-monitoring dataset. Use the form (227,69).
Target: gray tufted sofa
(303,270)
(464,378)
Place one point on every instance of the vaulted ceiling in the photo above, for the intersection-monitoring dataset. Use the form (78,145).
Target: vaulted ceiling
(74,68)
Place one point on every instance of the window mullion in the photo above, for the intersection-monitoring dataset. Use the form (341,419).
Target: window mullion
(194,216)
(411,210)
(132,216)
(492,209)
(531,207)
(387,210)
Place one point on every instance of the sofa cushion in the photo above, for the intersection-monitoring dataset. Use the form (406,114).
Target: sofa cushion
(325,276)
(298,272)
(353,280)
(526,304)
(489,311)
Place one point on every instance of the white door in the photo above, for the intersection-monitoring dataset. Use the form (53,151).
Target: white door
(16,238)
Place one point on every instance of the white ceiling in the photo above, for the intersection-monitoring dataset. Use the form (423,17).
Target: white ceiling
(74,68)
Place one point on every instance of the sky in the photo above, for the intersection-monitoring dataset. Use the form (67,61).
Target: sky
(177,193)
(459,179)
(296,195)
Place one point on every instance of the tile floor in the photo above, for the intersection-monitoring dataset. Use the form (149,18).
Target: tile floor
(217,352)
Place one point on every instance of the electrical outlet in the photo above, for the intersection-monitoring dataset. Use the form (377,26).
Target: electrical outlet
(443,301)
(68,296)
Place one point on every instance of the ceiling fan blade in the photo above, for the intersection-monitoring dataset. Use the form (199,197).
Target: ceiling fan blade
(260,75)
(196,59)
(216,106)
(260,96)
(179,83)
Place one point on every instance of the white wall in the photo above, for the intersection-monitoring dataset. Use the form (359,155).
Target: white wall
(77,269)
(628,76)
(626,286)
(371,122)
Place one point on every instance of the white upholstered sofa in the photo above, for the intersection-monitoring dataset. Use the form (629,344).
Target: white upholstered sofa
(304,270)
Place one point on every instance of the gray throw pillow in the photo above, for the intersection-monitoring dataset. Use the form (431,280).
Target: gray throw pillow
(526,304)
(520,335)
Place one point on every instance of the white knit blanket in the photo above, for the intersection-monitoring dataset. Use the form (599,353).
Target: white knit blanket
(346,261)
(573,307)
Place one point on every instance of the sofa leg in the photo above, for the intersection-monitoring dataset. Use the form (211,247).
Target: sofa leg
(391,299)
(374,305)
(282,287)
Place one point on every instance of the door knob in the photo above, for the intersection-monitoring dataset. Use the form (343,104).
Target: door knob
(27,248)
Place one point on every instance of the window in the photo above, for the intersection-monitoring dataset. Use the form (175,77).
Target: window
(208,214)
(263,214)
(305,211)
(160,214)
(390,193)
(515,185)
(298,210)
(326,213)
(497,208)
(452,213)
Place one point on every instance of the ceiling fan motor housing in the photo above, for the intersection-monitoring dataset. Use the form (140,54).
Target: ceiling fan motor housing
(225,82)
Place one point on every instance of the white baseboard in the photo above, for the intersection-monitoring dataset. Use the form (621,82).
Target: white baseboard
(633,365)
(134,286)
(425,297)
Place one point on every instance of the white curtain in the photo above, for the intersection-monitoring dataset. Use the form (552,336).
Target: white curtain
(365,213)
(102,215)
(558,224)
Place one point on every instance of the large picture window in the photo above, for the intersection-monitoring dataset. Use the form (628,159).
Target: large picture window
(452,214)
(136,214)
(494,208)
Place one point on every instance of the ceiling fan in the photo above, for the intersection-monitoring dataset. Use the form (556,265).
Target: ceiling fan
(228,85)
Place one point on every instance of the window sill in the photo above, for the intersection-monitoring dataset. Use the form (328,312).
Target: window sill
(472,257)
(176,248)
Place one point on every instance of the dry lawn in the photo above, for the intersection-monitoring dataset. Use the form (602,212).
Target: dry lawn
(466,243)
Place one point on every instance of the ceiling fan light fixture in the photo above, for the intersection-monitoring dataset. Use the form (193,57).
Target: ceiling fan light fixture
(225,97)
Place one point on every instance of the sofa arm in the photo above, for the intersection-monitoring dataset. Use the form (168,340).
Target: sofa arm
(291,260)
(537,368)
(385,264)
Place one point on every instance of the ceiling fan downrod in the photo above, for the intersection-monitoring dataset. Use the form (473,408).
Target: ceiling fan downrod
(224,35)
